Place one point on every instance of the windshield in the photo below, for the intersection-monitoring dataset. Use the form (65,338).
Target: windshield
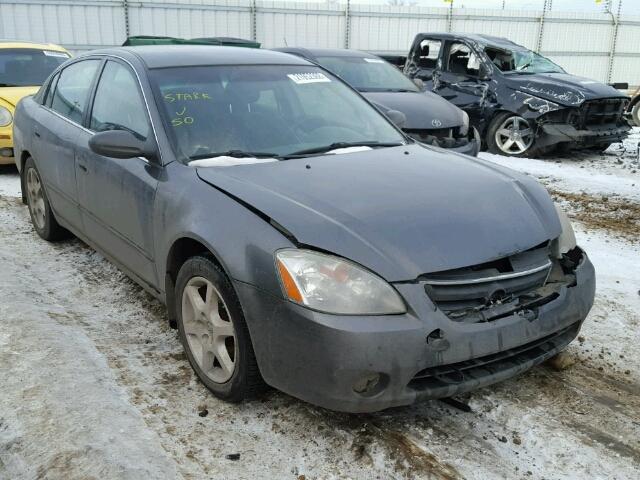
(521,61)
(279,109)
(22,67)
(368,74)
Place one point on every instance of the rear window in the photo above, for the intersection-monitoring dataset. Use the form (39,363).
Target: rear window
(22,67)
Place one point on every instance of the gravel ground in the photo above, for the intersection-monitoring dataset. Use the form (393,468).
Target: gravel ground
(95,384)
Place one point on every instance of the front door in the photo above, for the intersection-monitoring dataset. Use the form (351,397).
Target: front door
(117,195)
(459,80)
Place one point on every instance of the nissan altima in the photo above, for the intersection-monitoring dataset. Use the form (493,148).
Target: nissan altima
(297,237)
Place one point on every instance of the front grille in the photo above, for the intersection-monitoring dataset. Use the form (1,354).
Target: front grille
(597,113)
(439,137)
(493,290)
(476,368)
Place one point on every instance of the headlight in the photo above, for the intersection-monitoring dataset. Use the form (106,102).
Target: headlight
(333,285)
(464,129)
(5,116)
(567,239)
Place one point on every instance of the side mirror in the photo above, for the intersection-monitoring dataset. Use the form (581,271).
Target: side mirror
(398,118)
(484,72)
(419,83)
(121,144)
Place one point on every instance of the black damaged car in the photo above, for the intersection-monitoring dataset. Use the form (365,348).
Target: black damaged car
(425,116)
(522,103)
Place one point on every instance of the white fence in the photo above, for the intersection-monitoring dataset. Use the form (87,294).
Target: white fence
(599,46)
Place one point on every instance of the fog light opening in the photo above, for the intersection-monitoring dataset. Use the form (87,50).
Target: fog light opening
(6,152)
(370,384)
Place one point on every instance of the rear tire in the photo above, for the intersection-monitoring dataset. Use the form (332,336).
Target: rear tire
(214,333)
(42,217)
(635,114)
(511,135)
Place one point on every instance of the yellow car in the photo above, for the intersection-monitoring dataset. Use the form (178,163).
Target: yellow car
(24,66)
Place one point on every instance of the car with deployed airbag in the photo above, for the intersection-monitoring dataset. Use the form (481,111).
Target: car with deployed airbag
(522,103)
(297,237)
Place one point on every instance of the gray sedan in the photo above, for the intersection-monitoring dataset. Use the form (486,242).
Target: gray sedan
(297,237)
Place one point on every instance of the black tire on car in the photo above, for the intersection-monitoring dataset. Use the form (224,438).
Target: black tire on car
(214,333)
(42,217)
(510,134)
(635,114)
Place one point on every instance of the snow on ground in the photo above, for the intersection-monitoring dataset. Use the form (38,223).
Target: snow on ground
(9,181)
(94,382)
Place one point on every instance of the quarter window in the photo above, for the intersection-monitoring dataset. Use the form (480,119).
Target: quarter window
(118,104)
(72,90)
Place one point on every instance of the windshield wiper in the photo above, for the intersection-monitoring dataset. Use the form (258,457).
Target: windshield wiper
(336,145)
(235,154)
(9,85)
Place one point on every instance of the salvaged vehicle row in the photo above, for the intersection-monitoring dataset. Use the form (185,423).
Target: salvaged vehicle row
(297,237)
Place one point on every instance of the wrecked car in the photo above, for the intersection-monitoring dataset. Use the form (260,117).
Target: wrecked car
(427,117)
(297,237)
(522,103)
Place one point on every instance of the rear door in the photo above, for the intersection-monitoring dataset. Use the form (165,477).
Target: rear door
(56,129)
(459,80)
(117,195)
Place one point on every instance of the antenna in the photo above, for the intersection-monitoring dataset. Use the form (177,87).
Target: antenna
(285,41)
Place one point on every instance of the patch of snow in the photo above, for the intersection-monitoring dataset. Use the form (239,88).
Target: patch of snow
(9,181)
(225,161)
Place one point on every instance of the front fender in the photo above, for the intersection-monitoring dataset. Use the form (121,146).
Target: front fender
(242,241)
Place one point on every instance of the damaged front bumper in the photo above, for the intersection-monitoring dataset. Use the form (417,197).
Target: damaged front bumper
(553,134)
(369,363)
(468,145)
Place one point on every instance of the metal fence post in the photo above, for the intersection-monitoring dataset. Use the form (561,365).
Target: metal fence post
(541,29)
(125,7)
(254,27)
(347,24)
(614,40)
(450,17)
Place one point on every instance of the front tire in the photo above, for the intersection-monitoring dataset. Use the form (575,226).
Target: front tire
(42,217)
(214,333)
(511,135)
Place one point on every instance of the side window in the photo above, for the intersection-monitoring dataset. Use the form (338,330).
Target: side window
(50,89)
(428,53)
(462,61)
(71,92)
(118,104)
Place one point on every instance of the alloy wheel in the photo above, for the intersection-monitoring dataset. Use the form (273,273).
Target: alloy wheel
(514,136)
(35,198)
(209,329)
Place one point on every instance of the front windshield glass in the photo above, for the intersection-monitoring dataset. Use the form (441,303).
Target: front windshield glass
(521,61)
(22,67)
(279,109)
(368,74)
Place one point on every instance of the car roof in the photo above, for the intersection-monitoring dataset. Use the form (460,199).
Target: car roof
(164,56)
(31,45)
(326,52)
(484,40)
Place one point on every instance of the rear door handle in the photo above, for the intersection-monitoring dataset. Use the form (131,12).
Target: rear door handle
(36,134)
(82,166)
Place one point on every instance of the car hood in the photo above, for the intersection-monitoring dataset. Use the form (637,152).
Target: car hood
(13,95)
(562,88)
(398,214)
(424,110)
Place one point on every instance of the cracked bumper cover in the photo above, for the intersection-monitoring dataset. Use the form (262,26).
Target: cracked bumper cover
(553,134)
(319,357)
